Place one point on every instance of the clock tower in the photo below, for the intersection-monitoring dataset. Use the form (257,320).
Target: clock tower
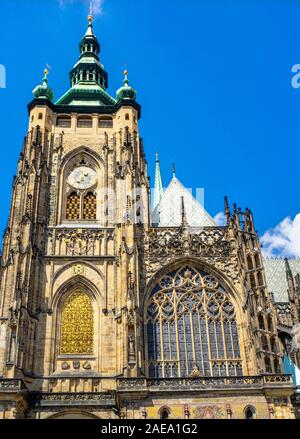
(71,253)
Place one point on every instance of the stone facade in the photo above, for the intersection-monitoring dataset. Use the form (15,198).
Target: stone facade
(116,260)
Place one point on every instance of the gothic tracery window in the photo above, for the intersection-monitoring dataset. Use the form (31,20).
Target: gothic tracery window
(77,325)
(81,203)
(191,327)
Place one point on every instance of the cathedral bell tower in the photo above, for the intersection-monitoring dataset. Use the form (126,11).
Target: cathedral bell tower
(70,262)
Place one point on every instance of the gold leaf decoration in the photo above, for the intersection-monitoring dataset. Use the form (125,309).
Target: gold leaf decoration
(77,325)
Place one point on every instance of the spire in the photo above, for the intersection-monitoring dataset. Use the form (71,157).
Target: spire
(184,222)
(126,91)
(90,32)
(44,91)
(185,237)
(227,209)
(290,281)
(88,78)
(158,186)
(288,271)
(173,170)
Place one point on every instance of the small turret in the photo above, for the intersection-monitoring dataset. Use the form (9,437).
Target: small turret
(126,92)
(44,91)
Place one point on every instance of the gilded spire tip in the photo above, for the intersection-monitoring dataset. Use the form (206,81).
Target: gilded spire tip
(90,16)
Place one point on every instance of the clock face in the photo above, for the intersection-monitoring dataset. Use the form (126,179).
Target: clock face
(82,177)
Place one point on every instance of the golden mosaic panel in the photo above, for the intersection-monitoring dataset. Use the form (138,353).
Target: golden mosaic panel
(77,325)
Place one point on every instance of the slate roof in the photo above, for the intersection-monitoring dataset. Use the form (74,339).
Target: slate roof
(276,276)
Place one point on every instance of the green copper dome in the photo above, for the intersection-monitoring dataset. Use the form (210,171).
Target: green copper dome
(43,90)
(126,92)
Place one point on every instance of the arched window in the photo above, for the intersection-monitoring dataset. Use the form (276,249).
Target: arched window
(270,323)
(77,325)
(273,345)
(81,186)
(164,413)
(268,365)
(261,321)
(73,207)
(40,116)
(250,412)
(89,206)
(257,260)
(105,122)
(260,278)
(277,365)
(264,342)
(191,327)
(84,122)
(250,263)
(252,280)
(63,121)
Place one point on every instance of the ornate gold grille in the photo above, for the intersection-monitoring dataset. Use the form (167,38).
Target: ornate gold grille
(77,325)
(73,206)
(191,327)
(89,207)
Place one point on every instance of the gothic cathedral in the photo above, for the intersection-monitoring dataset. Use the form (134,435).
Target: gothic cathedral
(111,307)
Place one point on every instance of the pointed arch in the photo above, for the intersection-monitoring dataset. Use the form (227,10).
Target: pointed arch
(81,203)
(77,325)
(82,315)
(191,325)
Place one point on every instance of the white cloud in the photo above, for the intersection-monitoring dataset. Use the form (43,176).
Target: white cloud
(283,240)
(97,5)
(220,219)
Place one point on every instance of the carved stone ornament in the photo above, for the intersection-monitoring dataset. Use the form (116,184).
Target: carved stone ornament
(212,244)
(78,270)
(209,412)
(87,365)
(76,365)
(65,366)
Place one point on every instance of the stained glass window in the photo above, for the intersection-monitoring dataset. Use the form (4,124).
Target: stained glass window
(191,326)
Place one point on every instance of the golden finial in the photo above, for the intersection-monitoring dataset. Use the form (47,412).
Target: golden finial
(126,72)
(90,16)
(47,70)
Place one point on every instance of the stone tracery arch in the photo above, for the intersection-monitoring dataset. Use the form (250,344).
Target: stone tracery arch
(81,341)
(76,203)
(191,325)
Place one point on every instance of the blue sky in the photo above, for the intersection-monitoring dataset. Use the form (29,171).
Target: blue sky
(214,81)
